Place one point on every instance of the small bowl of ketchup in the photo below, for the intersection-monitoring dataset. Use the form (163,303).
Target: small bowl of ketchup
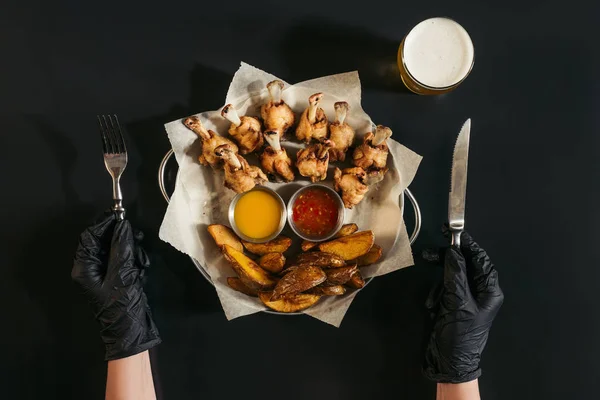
(315,212)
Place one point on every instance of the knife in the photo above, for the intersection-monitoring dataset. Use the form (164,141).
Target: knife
(458,183)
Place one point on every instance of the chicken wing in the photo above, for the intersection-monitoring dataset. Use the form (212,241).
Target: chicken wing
(313,121)
(210,141)
(341,134)
(246,131)
(351,184)
(373,152)
(313,161)
(239,175)
(276,115)
(275,160)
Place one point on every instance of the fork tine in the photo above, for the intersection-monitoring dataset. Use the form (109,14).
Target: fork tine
(103,135)
(119,135)
(114,134)
(111,136)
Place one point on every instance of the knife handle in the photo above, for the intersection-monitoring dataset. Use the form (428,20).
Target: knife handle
(456,238)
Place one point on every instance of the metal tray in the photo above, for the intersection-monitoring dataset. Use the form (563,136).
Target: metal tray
(413,236)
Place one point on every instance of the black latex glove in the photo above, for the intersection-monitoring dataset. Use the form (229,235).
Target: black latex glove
(464,308)
(109,266)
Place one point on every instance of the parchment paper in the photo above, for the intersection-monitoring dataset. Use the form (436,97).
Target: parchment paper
(200,199)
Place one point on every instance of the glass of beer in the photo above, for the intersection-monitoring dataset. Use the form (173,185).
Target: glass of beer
(435,56)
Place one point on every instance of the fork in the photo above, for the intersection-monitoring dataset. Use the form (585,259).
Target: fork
(115,157)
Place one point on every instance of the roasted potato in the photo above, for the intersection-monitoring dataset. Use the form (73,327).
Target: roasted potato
(351,246)
(339,276)
(290,303)
(250,273)
(347,229)
(272,262)
(336,290)
(287,270)
(356,281)
(298,280)
(370,258)
(236,284)
(319,259)
(224,235)
(277,245)
(307,245)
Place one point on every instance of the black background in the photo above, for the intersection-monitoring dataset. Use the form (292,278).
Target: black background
(533,95)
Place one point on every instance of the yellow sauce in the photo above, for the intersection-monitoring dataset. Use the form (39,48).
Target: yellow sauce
(257,214)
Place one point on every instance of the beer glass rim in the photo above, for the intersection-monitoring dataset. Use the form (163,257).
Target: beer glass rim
(438,88)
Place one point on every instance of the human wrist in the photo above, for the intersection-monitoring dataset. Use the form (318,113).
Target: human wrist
(458,391)
(130,378)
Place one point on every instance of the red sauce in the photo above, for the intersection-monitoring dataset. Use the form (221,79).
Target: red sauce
(315,212)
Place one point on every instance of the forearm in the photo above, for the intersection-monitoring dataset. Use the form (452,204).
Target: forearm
(459,391)
(130,378)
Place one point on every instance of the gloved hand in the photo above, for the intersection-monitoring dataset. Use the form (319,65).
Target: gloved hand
(465,307)
(109,265)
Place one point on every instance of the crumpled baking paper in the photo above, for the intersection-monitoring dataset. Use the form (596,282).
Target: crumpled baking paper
(200,199)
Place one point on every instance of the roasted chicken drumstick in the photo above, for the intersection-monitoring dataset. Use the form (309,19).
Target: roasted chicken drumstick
(373,152)
(313,121)
(246,131)
(341,134)
(239,175)
(313,161)
(376,175)
(275,160)
(352,185)
(276,115)
(210,141)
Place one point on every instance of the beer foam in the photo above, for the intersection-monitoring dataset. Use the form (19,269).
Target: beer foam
(438,52)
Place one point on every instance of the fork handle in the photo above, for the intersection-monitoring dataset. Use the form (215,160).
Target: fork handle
(456,238)
(118,198)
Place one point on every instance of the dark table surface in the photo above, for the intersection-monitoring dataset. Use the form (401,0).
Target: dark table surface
(533,95)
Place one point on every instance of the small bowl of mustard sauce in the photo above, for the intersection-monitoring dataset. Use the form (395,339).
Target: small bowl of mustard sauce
(257,215)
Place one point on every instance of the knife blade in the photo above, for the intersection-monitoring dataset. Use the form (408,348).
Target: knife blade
(458,183)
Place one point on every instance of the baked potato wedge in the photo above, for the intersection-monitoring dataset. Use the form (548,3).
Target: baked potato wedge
(250,273)
(224,235)
(298,280)
(290,303)
(370,258)
(336,290)
(351,246)
(339,276)
(236,284)
(345,230)
(287,270)
(307,245)
(356,281)
(277,245)
(319,259)
(272,262)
